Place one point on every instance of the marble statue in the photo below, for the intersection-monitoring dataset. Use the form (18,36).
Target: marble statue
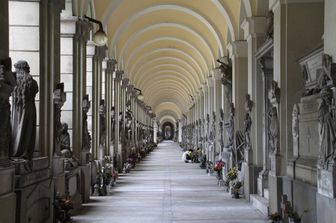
(102,122)
(24,112)
(229,126)
(274,93)
(59,100)
(7,84)
(226,70)
(65,141)
(295,129)
(70,162)
(274,130)
(221,128)
(112,123)
(86,135)
(327,128)
(248,121)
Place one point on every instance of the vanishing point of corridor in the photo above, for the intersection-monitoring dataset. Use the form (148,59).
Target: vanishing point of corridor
(162,188)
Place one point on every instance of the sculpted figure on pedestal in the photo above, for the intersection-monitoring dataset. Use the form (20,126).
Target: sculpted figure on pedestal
(248,121)
(102,118)
(274,130)
(7,84)
(59,100)
(24,112)
(229,126)
(221,128)
(112,123)
(327,128)
(69,162)
(226,70)
(86,134)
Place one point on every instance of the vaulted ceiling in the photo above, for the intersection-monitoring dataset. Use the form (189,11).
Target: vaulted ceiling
(167,48)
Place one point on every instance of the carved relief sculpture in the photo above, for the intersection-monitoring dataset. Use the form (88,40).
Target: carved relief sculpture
(86,134)
(7,84)
(327,128)
(24,112)
(59,100)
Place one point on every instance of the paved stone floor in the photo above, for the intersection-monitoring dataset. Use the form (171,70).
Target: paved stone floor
(162,188)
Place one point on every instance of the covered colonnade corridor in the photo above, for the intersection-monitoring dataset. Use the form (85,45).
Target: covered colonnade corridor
(90,88)
(162,188)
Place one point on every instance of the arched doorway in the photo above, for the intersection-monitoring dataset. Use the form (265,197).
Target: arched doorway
(168,131)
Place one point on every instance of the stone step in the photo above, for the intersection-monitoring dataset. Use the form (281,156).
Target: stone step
(266,193)
(260,203)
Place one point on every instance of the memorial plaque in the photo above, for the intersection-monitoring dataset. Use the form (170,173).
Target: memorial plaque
(312,67)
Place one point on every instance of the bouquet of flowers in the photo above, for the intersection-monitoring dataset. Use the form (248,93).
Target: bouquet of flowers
(232,174)
(219,165)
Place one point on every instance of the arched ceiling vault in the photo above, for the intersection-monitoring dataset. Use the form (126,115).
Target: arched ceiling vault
(168,48)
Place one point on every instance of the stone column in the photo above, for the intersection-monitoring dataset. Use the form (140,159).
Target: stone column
(98,58)
(117,97)
(254,33)
(108,102)
(238,56)
(217,75)
(211,133)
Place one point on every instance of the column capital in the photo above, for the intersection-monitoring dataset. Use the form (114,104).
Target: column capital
(204,87)
(254,27)
(237,49)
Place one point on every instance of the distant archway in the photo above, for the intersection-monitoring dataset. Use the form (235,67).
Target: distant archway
(168,131)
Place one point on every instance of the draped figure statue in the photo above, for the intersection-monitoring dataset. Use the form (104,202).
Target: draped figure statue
(24,112)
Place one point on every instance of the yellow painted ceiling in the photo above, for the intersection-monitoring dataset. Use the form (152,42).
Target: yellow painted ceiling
(168,48)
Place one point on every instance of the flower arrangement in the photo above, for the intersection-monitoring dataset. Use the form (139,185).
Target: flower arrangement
(275,217)
(219,165)
(232,174)
(63,204)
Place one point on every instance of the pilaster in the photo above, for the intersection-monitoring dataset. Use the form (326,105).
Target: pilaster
(238,55)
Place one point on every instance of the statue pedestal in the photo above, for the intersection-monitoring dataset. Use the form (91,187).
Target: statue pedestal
(262,182)
(326,181)
(59,175)
(275,164)
(34,190)
(85,182)
(326,194)
(72,182)
(7,195)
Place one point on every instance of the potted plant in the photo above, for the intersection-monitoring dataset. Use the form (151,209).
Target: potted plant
(294,217)
(275,217)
